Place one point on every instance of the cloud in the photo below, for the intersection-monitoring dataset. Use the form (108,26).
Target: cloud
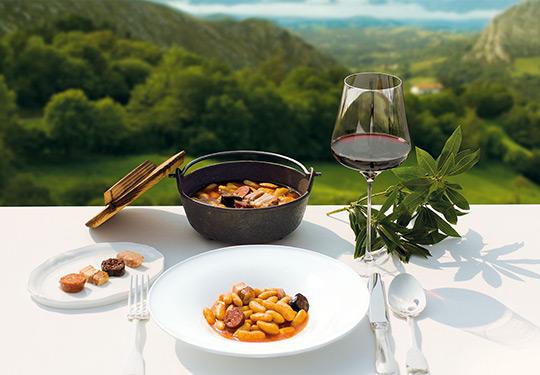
(329,9)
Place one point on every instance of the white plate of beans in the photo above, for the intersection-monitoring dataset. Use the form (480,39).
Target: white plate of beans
(259,300)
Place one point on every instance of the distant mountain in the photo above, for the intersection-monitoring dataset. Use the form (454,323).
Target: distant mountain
(457,6)
(296,23)
(514,33)
(237,43)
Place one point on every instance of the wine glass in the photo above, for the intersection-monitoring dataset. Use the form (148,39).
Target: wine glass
(371,135)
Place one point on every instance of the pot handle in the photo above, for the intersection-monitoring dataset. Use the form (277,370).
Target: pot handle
(308,173)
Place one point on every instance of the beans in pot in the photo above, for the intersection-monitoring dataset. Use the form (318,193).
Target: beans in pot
(245,194)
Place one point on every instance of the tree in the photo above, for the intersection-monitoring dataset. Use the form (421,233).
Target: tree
(133,70)
(85,192)
(444,102)
(229,119)
(489,100)
(271,118)
(8,108)
(5,165)
(532,168)
(492,146)
(426,133)
(8,120)
(28,143)
(109,127)
(523,125)
(166,110)
(40,70)
(21,190)
(70,117)
(312,98)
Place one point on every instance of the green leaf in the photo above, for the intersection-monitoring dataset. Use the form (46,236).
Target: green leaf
(421,183)
(443,205)
(426,162)
(425,219)
(458,199)
(453,186)
(451,147)
(415,249)
(413,200)
(423,235)
(388,202)
(359,246)
(388,233)
(447,166)
(406,173)
(465,160)
(445,227)
(432,238)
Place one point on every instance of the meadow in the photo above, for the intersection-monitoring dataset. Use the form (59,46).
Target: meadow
(486,183)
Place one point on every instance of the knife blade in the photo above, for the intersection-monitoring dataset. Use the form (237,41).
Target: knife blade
(378,319)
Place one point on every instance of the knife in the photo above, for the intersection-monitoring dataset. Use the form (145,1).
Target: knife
(378,318)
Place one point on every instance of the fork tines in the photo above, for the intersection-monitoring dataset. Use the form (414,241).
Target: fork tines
(138,295)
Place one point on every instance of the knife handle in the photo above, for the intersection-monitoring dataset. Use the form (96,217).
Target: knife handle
(384,360)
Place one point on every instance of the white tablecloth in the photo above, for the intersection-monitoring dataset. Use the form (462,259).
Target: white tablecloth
(483,312)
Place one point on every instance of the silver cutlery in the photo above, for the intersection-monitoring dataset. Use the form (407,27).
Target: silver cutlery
(137,312)
(385,364)
(407,299)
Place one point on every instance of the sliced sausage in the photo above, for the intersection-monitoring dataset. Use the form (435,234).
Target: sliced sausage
(299,302)
(246,294)
(234,318)
(238,287)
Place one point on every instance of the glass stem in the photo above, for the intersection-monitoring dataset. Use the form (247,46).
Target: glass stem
(368,257)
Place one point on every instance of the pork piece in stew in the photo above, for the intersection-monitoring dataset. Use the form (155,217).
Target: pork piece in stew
(251,314)
(246,194)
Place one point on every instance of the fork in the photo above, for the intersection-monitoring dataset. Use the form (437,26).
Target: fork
(137,312)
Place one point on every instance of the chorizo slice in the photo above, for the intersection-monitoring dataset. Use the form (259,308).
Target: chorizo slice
(234,318)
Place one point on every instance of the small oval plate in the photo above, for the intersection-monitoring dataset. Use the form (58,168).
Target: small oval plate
(44,287)
(338,297)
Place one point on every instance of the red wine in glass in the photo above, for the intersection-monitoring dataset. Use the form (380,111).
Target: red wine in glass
(370,152)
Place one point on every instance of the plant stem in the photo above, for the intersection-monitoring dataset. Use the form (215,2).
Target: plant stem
(354,204)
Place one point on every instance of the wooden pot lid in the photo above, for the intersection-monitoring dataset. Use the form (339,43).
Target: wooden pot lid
(133,185)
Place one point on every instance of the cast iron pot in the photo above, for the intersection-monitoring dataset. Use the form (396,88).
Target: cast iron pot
(245,225)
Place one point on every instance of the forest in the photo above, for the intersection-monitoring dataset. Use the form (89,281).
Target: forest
(72,90)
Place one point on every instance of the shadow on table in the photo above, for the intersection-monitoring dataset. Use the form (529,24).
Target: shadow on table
(168,232)
(174,237)
(469,257)
(354,354)
(480,315)
(91,310)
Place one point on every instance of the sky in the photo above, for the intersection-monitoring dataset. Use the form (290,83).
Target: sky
(452,10)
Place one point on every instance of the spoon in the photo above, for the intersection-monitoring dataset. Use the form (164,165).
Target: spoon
(407,299)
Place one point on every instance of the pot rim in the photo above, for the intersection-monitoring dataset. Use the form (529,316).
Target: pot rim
(310,176)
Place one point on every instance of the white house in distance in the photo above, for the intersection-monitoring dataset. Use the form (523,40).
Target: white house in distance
(426,88)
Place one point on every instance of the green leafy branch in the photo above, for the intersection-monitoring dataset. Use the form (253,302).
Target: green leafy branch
(420,209)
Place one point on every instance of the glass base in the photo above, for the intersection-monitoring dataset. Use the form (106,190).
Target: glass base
(365,269)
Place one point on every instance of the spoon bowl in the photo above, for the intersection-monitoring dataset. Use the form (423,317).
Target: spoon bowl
(407,299)
(406,296)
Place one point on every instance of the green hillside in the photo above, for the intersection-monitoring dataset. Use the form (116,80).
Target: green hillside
(337,185)
(510,35)
(394,49)
(239,44)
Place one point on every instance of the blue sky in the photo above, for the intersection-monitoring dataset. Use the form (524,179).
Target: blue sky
(336,9)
